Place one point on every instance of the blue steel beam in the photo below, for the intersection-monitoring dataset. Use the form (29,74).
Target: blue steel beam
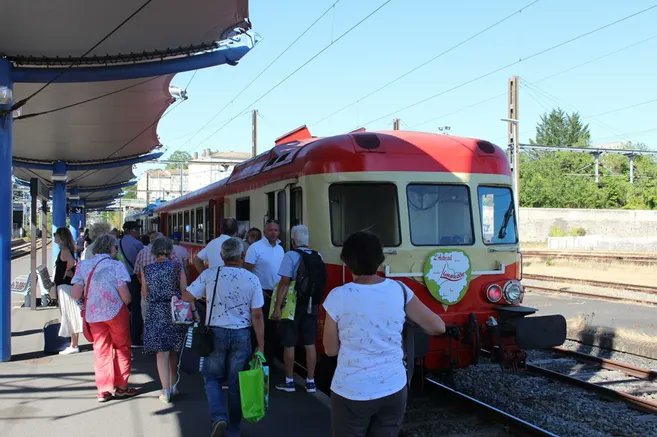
(58,202)
(24,163)
(6,215)
(107,187)
(229,54)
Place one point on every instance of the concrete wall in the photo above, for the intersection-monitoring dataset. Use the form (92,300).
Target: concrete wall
(535,223)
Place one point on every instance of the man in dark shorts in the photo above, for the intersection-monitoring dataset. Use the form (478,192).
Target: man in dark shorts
(304,325)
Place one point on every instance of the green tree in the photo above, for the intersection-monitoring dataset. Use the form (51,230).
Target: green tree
(558,128)
(130,192)
(178,156)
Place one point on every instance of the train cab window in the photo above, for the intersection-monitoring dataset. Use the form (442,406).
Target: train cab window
(439,215)
(199,228)
(498,219)
(364,207)
(186,226)
(296,207)
(243,215)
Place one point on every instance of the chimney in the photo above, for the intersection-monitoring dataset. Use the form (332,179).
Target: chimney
(195,155)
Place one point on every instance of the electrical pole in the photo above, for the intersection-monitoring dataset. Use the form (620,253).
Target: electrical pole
(395,124)
(514,82)
(181,178)
(148,197)
(254,132)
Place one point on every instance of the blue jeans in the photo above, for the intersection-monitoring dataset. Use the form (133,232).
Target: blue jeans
(232,350)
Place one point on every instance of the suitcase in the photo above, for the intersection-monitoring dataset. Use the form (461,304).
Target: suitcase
(190,361)
(52,342)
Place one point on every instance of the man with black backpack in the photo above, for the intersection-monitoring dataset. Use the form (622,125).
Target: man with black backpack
(306,268)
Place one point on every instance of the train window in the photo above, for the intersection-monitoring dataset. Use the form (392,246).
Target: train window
(271,202)
(169,225)
(209,221)
(281,219)
(364,207)
(243,215)
(186,226)
(200,230)
(439,215)
(498,219)
(296,207)
(192,225)
(181,229)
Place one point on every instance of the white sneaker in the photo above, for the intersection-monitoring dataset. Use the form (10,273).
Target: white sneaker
(69,350)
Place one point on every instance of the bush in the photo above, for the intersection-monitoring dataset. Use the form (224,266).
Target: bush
(577,232)
(556,231)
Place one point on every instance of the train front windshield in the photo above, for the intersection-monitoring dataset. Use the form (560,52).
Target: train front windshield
(498,222)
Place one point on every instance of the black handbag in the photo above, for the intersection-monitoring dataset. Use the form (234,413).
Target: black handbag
(202,335)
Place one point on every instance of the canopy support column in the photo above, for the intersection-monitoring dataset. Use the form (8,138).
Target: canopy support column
(6,86)
(58,203)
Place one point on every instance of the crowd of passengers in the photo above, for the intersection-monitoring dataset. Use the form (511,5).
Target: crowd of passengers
(125,283)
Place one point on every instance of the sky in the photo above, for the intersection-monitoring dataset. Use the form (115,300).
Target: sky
(598,75)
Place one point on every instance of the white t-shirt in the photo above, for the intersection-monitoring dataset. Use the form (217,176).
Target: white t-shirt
(267,260)
(237,293)
(181,253)
(212,252)
(370,320)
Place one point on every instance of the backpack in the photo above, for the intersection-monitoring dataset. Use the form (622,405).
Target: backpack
(311,277)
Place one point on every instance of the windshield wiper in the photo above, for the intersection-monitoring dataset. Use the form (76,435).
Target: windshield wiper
(507,218)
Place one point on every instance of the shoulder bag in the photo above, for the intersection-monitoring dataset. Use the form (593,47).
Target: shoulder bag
(202,336)
(86,330)
(408,341)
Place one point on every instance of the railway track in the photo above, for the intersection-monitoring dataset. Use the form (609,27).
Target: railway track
(630,259)
(554,284)
(492,413)
(600,375)
(24,249)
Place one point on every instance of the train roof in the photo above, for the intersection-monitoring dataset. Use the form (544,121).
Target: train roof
(299,154)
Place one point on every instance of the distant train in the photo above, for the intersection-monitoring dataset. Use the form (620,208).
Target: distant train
(442,206)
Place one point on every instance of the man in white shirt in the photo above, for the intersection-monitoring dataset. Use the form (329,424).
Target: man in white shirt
(235,303)
(264,258)
(211,254)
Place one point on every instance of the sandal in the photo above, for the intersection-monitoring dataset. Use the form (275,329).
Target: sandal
(104,396)
(127,392)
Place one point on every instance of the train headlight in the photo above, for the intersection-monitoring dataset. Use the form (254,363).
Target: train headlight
(513,292)
(494,293)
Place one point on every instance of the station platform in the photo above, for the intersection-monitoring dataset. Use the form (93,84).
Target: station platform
(55,395)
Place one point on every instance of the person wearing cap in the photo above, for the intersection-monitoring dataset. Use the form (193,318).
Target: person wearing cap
(129,247)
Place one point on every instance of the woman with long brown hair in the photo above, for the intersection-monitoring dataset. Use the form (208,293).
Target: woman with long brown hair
(71,323)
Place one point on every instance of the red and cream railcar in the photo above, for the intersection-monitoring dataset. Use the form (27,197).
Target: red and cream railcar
(442,206)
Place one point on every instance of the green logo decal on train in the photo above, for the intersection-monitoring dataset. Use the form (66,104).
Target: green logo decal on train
(447,275)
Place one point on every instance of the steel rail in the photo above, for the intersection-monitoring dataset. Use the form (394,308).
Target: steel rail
(492,411)
(19,251)
(602,284)
(608,364)
(634,401)
(590,295)
(590,256)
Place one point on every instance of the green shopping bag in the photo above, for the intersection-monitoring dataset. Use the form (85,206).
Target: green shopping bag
(254,389)
(289,302)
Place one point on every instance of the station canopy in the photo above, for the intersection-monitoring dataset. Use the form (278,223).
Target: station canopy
(112,120)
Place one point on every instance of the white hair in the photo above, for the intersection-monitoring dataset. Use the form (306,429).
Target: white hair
(232,249)
(299,234)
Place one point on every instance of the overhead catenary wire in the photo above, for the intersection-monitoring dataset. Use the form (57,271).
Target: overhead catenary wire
(79,60)
(257,76)
(520,60)
(427,62)
(543,79)
(308,61)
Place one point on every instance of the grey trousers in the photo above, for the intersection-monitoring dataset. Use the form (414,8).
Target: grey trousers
(381,417)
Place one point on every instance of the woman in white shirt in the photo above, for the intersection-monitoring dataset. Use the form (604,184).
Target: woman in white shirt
(363,327)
